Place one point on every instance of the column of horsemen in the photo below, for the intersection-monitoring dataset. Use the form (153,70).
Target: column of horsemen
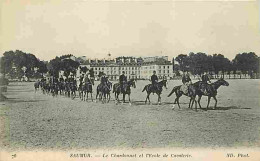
(84,87)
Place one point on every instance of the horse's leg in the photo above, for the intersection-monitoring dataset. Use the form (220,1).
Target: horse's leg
(209,97)
(194,100)
(158,99)
(124,97)
(87,96)
(91,97)
(146,98)
(115,98)
(190,102)
(199,100)
(216,101)
(129,99)
(108,97)
(97,95)
(178,97)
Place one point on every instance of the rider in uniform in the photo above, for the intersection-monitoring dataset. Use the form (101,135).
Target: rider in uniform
(92,76)
(122,81)
(154,80)
(205,80)
(186,82)
(103,79)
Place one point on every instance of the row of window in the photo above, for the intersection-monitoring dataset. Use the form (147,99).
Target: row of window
(153,67)
(129,68)
(115,68)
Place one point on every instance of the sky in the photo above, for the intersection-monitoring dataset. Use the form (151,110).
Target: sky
(129,28)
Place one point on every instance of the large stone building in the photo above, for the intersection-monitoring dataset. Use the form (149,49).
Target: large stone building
(133,67)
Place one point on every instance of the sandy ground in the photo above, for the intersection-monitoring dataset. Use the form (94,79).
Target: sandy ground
(35,121)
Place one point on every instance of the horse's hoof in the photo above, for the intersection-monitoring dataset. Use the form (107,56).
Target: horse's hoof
(130,104)
(173,106)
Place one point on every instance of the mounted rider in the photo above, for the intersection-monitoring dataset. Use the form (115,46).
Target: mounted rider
(205,78)
(154,80)
(122,81)
(86,79)
(92,76)
(103,79)
(186,82)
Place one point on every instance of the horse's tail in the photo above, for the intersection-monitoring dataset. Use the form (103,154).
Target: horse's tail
(173,90)
(144,88)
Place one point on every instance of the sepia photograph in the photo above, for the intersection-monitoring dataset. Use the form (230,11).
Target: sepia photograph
(129,80)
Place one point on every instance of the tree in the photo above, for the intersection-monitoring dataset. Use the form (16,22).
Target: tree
(183,61)
(12,63)
(62,63)
(247,63)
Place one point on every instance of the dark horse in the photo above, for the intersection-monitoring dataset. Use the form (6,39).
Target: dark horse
(86,89)
(149,89)
(209,90)
(192,92)
(126,90)
(36,85)
(199,88)
(103,91)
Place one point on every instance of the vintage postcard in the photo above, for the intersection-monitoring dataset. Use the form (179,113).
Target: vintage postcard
(129,80)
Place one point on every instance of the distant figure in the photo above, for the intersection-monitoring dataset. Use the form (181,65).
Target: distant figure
(154,80)
(122,81)
(186,82)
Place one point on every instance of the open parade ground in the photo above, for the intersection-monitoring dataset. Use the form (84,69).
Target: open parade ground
(32,120)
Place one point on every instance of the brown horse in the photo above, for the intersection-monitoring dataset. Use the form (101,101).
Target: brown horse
(149,89)
(192,92)
(199,88)
(210,90)
(125,91)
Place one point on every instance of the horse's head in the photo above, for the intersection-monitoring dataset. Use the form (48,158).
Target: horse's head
(132,83)
(164,83)
(223,82)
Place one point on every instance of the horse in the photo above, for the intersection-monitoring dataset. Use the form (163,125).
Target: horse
(86,89)
(209,90)
(55,89)
(126,90)
(36,86)
(199,88)
(61,87)
(73,89)
(103,91)
(149,89)
(192,92)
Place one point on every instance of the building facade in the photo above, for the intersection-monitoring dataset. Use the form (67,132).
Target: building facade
(133,68)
